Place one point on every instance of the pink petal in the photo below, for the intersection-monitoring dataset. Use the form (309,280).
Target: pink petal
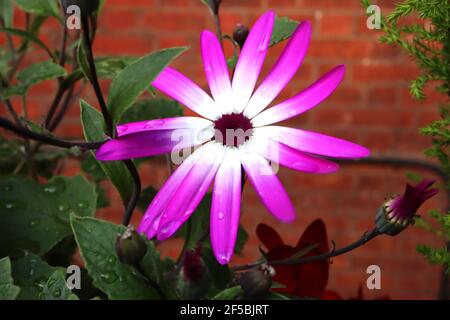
(305,100)
(191,192)
(268,186)
(163,124)
(225,208)
(286,156)
(251,60)
(180,88)
(150,143)
(150,222)
(313,142)
(216,71)
(283,71)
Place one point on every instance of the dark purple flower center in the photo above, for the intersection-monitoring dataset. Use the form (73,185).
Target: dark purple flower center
(233,129)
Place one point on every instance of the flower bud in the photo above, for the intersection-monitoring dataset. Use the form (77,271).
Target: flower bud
(240,34)
(87,7)
(399,211)
(215,5)
(257,282)
(130,247)
(194,267)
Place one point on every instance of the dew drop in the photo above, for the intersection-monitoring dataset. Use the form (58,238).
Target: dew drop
(63,207)
(293,112)
(112,260)
(7,188)
(109,277)
(57,293)
(220,215)
(34,223)
(56,186)
(82,205)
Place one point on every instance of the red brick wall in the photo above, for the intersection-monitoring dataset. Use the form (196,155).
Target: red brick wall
(371,107)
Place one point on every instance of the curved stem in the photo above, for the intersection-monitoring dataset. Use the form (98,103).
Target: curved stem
(136,192)
(94,78)
(294,261)
(25,133)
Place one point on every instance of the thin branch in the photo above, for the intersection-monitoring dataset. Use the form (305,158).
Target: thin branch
(136,192)
(325,256)
(94,78)
(25,133)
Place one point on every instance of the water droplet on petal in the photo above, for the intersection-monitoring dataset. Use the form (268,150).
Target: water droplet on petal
(293,112)
(220,215)
(121,129)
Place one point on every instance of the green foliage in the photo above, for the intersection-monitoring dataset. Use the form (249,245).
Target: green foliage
(28,36)
(39,7)
(282,30)
(32,75)
(151,109)
(428,44)
(8,291)
(117,280)
(93,127)
(38,280)
(6,12)
(36,217)
(131,82)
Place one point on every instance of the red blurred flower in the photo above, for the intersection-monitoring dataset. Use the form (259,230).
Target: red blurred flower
(303,280)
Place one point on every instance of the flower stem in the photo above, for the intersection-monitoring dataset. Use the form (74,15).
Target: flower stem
(294,261)
(94,78)
(136,192)
(25,133)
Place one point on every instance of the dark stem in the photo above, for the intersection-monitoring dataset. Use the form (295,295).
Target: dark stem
(218,27)
(325,256)
(94,78)
(25,133)
(136,192)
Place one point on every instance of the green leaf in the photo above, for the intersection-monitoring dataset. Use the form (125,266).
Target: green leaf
(117,280)
(36,217)
(39,72)
(8,291)
(229,294)
(91,166)
(135,78)
(6,12)
(93,124)
(31,273)
(232,62)
(56,288)
(39,7)
(220,274)
(107,68)
(150,109)
(28,37)
(282,30)
(32,75)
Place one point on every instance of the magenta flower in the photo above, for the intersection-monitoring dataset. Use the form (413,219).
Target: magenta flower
(235,107)
(399,211)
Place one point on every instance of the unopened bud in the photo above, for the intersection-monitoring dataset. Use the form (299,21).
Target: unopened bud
(240,34)
(398,212)
(257,282)
(194,267)
(130,247)
(87,7)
